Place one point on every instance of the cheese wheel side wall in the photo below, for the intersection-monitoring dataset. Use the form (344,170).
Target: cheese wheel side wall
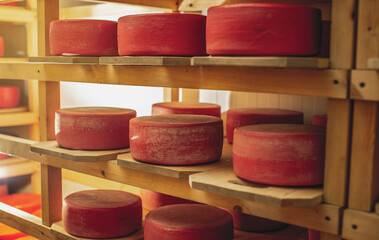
(152,200)
(9,96)
(1,46)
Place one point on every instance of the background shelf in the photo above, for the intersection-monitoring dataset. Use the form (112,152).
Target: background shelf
(13,110)
(146,61)
(18,118)
(13,167)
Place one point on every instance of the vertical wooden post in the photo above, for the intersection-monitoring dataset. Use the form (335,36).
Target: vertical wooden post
(171,94)
(190,95)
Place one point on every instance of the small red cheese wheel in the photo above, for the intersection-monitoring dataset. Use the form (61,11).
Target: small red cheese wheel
(27,238)
(83,37)
(186,108)
(162,34)
(152,200)
(93,127)
(3,190)
(188,222)
(8,233)
(1,46)
(263,29)
(280,154)
(176,139)
(27,202)
(314,235)
(239,117)
(9,96)
(320,120)
(102,213)
(3,156)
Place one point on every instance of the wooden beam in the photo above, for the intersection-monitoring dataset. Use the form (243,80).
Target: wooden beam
(190,95)
(18,119)
(47,11)
(360,225)
(364,85)
(17,14)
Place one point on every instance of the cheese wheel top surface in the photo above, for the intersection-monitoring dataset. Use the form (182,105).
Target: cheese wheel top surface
(259,5)
(176,120)
(282,129)
(98,111)
(23,201)
(101,199)
(183,105)
(162,15)
(264,111)
(188,216)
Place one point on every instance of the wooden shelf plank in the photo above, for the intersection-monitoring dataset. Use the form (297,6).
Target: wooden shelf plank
(16,14)
(313,82)
(359,225)
(373,63)
(18,119)
(65,59)
(13,110)
(13,167)
(126,160)
(13,60)
(146,61)
(51,148)
(280,62)
(364,85)
(223,181)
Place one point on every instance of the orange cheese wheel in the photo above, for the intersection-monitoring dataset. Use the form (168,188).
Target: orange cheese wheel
(102,213)
(152,200)
(280,154)
(27,238)
(188,222)
(1,46)
(176,139)
(9,233)
(320,120)
(93,127)
(186,108)
(9,96)
(27,202)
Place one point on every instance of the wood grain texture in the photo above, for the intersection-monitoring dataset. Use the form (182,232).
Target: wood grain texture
(365,85)
(17,167)
(51,148)
(13,110)
(146,61)
(18,119)
(65,59)
(359,225)
(373,63)
(328,236)
(190,95)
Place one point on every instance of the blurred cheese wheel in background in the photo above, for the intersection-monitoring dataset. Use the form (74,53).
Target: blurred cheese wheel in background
(83,37)
(38,213)
(176,139)
(93,128)
(263,29)
(280,154)
(3,190)
(3,156)
(239,117)
(8,233)
(27,202)
(314,235)
(102,213)
(188,222)
(10,3)
(320,120)
(1,46)
(9,96)
(27,238)
(186,108)
(152,200)
(162,34)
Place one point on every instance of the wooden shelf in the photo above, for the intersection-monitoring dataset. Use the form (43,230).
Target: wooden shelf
(13,60)
(13,110)
(169,4)
(13,167)
(373,63)
(52,149)
(18,119)
(16,14)
(64,59)
(146,61)
(312,82)
(365,85)
(126,160)
(359,225)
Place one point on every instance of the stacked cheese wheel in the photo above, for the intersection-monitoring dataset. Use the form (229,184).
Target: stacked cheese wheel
(162,34)
(239,117)
(320,120)
(9,96)
(93,127)
(83,37)
(263,29)
(3,190)
(176,139)
(188,222)
(1,46)
(272,153)
(102,213)
(186,108)
(152,200)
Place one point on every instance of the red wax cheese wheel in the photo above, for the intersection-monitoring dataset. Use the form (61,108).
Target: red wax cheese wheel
(1,46)
(9,96)
(314,235)
(280,154)
(102,213)
(162,34)
(263,29)
(176,139)
(93,127)
(186,108)
(188,222)
(239,117)
(320,120)
(152,200)
(3,190)
(27,202)
(83,37)
(10,4)
(27,238)
(3,156)
(8,233)
(246,222)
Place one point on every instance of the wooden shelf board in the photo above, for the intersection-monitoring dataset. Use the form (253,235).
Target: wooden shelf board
(364,85)
(126,160)
(65,59)
(146,61)
(51,148)
(13,60)
(18,119)
(280,62)
(223,181)
(13,110)
(15,14)
(373,63)
(309,82)
(360,225)
(13,167)
(292,232)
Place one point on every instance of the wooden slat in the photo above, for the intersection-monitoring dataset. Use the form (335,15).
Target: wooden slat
(190,95)
(18,119)
(51,148)
(16,14)
(18,169)
(146,61)
(313,82)
(223,181)
(170,4)
(13,60)
(373,63)
(65,59)
(281,62)
(365,85)
(360,225)
(13,110)
(126,160)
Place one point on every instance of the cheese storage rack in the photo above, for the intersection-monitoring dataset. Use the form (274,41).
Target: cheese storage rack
(351,158)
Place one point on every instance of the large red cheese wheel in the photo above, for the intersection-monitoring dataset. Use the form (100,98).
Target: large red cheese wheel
(239,117)
(280,154)
(102,213)
(162,34)
(8,233)
(93,127)
(176,139)
(320,120)
(263,29)
(3,156)
(188,222)
(186,108)
(9,96)
(1,46)
(152,200)
(83,37)
(27,202)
